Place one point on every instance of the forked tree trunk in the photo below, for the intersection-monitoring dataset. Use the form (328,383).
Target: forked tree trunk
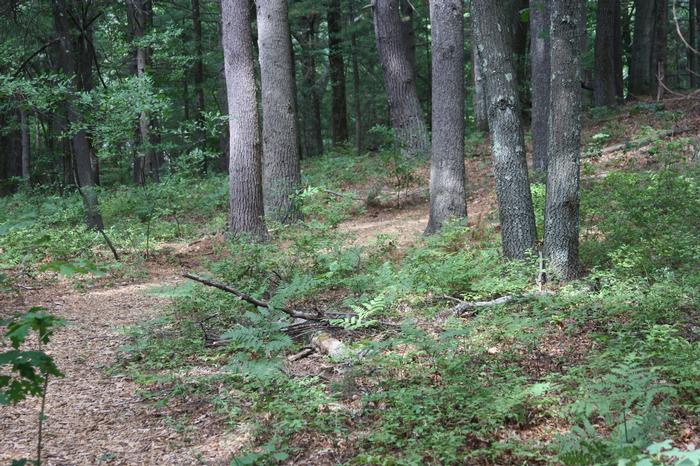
(604,93)
(281,175)
(561,228)
(493,30)
(245,169)
(447,196)
(539,53)
(399,79)
(336,63)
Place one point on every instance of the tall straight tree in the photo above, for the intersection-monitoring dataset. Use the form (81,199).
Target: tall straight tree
(561,224)
(604,92)
(540,69)
(311,85)
(447,196)
(649,46)
(481,120)
(281,175)
(395,56)
(492,24)
(73,25)
(336,64)
(618,50)
(200,134)
(245,169)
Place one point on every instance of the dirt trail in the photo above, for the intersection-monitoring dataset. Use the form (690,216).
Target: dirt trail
(93,417)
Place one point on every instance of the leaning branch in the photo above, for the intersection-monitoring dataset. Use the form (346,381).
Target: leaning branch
(299,314)
(464,306)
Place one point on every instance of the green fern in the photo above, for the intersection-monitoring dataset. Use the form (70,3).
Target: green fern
(363,314)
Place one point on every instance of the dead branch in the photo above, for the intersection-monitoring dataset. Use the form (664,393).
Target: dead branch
(300,314)
(305,352)
(465,306)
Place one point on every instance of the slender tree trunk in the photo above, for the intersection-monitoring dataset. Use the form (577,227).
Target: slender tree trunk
(658,51)
(695,5)
(356,88)
(480,117)
(26,144)
(447,196)
(245,169)
(604,84)
(618,52)
(336,63)
(539,52)
(493,31)
(310,92)
(561,229)
(520,30)
(399,79)
(200,134)
(76,64)
(281,175)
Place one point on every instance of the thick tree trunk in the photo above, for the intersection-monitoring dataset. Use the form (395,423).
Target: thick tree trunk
(539,53)
(493,31)
(561,229)
(26,144)
(643,63)
(281,175)
(447,196)
(604,93)
(399,79)
(336,63)
(76,63)
(310,91)
(480,117)
(245,169)
(200,134)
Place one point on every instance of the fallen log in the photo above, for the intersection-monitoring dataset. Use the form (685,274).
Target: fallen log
(627,145)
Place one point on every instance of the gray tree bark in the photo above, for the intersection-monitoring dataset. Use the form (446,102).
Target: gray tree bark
(245,169)
(481,120)
(493,31)
(75,63)
(561,228)
(540,70)
(447,195)
(399,79)
(604,93)
(281,175)
(644,60)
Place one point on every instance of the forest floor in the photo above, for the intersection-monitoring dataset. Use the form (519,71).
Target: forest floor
(95,414)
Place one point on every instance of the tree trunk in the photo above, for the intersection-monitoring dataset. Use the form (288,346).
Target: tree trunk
(200,134)
(480,117)
(339,111)
(76,63)
(561,228)
(695,5)
(643,67)
(618,52)
(520,30)
(493,31)
(281,175)
(356,89)
(447,196)
(399,79)
(310,91)
(26,144)
(245,169)
(539,52)
(604,93)
(658,52)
